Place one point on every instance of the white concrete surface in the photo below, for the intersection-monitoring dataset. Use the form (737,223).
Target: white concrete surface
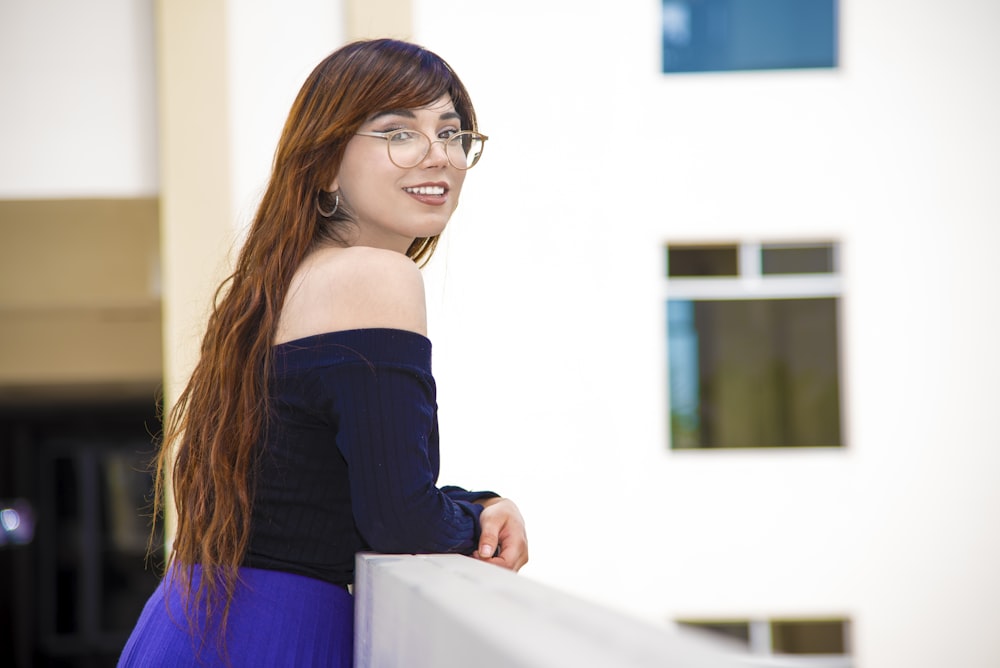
(450,611)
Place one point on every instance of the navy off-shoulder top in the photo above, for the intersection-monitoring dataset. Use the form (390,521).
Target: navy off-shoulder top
(350,459)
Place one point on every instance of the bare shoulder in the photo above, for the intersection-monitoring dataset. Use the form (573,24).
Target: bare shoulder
(374,275)
(354,288)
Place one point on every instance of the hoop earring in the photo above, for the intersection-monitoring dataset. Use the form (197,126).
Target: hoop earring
(327,214)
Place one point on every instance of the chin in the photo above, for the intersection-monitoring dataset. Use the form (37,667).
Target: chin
(432,227)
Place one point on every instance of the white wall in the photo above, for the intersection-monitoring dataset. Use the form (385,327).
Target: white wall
(272,49)
(78,90)
(77,99)
(548,314)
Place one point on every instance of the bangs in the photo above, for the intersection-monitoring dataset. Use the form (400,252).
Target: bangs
(417,78)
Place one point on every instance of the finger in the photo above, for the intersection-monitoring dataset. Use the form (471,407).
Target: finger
(515,553)
(504,562)
(510,553)
(487,544)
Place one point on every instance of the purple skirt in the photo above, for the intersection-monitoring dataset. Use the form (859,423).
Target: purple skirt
(276,619)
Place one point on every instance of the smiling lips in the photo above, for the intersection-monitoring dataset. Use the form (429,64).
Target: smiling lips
(428,194)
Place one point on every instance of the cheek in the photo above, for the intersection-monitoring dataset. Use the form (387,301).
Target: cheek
(363,183)
(365,199)
(456,185)
(374,199)
(359,163)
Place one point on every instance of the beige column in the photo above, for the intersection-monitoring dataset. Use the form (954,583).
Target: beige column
(196,230)
(378,18)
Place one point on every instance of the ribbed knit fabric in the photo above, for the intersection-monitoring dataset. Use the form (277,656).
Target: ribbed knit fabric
(276,620)
(349,463)
(351,458)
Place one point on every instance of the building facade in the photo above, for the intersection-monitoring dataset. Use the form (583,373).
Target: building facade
(561,377)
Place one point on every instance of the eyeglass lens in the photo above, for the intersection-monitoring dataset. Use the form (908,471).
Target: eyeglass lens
(408,148)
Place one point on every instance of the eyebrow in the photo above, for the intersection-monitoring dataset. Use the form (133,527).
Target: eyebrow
(407,113)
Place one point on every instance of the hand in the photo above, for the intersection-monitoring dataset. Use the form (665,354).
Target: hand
(503,540)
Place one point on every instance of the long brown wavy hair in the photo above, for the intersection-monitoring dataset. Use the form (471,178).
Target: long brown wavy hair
(211,438)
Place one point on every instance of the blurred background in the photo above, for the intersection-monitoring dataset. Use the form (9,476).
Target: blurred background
(718,309)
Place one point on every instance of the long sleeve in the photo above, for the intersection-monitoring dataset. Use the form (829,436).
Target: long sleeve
(349,460)
(460,494)
(386,424)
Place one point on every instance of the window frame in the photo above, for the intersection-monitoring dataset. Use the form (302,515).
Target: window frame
(712,36)
(751,283)
(760,639)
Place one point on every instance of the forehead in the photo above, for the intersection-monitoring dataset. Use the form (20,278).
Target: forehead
(443,107)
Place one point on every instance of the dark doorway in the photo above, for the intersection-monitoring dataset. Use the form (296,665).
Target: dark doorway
(80,474)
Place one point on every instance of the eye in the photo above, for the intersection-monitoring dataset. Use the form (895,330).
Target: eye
(448,133)
(401,136)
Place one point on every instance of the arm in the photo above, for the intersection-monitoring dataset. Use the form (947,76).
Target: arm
(374,288)
(387,434)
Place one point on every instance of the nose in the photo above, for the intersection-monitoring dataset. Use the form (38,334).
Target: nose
(436,156)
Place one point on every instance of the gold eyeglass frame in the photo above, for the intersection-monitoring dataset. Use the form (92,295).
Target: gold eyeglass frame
(430,142)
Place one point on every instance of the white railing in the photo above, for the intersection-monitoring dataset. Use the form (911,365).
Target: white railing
(444,611)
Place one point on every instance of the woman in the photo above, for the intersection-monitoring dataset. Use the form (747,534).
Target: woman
(308,429)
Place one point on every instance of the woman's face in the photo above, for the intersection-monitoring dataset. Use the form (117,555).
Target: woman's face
(393,206)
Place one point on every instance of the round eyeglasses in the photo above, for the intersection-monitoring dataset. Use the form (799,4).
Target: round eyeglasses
(407,148)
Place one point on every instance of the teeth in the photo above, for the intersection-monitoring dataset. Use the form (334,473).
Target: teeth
(426,190)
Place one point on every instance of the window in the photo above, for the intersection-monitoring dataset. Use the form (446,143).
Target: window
(825,642)
(724,35)
(752,345)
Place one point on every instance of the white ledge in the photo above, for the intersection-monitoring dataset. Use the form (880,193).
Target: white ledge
(444,611)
